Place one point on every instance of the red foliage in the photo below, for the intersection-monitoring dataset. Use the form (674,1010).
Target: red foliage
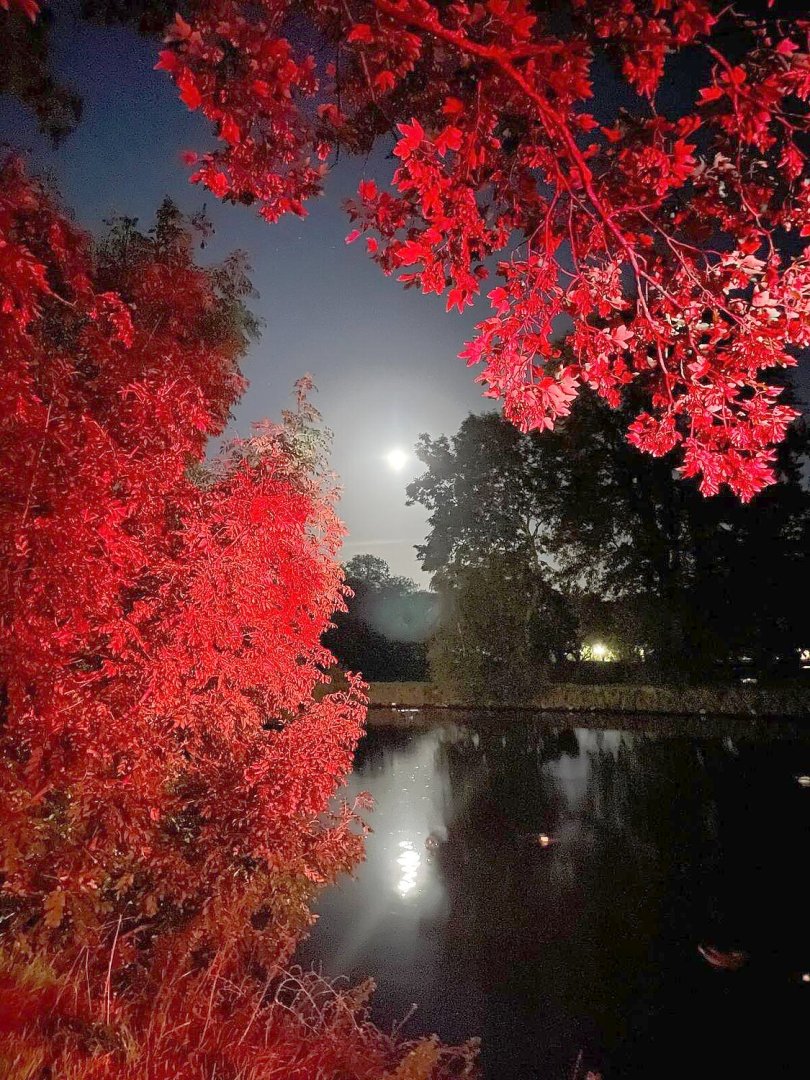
(661,238)
(168,753)
(167,767)
(298,1027)
(27,7)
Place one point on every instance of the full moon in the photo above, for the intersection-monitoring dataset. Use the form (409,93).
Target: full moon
(397,459)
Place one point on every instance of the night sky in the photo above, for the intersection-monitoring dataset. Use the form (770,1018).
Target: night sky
(384,359)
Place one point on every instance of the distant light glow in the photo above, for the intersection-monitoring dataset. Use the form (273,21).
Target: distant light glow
(598,651)
(397,459)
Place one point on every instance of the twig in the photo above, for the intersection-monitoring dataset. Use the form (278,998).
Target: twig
(109,973)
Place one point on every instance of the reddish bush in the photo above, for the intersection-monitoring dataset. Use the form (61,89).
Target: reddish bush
(169,755)
(166,768)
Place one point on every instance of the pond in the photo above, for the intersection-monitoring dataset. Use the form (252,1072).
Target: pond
(586,948)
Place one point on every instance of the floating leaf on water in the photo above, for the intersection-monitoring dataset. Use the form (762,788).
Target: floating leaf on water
(732,960)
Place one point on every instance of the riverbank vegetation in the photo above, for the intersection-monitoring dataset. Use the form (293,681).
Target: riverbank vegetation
(168,772)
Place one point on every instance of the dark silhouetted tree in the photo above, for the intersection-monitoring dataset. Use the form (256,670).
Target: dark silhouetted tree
(693,580)
(501,627)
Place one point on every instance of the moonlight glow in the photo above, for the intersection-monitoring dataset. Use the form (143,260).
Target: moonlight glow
(397,459)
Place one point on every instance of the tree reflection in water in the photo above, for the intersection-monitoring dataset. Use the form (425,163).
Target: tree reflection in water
(590,943)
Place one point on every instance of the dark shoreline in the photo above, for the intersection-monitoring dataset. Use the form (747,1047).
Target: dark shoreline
(688,711)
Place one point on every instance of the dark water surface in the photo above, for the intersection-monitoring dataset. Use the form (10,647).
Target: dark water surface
(661,843)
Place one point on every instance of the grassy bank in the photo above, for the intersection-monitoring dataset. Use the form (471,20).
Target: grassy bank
(730,700)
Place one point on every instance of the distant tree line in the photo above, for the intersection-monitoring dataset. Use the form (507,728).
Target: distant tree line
(569,544)
(551,550)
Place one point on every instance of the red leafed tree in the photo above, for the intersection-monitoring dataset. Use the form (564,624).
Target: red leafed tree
(670,237)
(167,766)
(169,752)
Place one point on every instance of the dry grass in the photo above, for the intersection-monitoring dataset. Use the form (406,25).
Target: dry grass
(293,1026)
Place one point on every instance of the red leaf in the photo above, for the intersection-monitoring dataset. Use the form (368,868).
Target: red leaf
(230,131)
(449,139)
(168,60)
(385,81)
(367,190)
(360,32)
(412,137)
(711,93)
(786,47)
(189,94)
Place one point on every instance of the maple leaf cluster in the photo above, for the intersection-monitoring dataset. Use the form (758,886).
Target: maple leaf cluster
(669,242)
(167,764)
